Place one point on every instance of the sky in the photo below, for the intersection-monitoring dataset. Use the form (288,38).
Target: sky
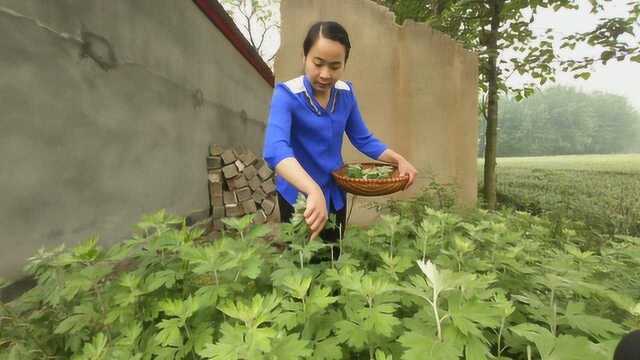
(621,78)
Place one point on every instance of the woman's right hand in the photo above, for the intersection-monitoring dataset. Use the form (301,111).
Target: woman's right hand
(316,212)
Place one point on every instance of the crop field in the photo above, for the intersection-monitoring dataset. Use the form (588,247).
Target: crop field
(418,284)
(603,191)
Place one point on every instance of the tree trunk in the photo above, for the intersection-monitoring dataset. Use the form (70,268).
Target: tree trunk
(436,7)
(491,137)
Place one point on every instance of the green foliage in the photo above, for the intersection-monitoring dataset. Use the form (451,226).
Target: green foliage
(501,33)
(529,53)
(437,286)
(599,191)
(561,121)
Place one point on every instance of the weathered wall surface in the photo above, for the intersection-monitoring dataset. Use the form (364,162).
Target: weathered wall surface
(84,150)
(416,87)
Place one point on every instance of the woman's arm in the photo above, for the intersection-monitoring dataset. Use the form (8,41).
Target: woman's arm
(316,212)
(404,166)
(279,155)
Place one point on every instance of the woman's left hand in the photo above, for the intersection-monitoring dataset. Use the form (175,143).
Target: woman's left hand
(405,168)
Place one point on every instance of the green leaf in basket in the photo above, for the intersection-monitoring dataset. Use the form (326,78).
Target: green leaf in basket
(375,172)
(354,171)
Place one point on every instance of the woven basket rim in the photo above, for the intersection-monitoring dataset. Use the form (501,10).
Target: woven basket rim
(391,180)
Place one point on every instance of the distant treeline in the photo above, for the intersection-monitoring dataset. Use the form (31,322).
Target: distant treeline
(561,121)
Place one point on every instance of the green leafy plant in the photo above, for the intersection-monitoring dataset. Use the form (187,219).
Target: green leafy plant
(499,285)
(375,172)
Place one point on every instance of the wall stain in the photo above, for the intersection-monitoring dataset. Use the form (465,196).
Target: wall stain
(99,49)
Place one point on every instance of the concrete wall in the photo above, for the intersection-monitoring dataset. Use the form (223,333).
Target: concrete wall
(416,87)
(84,150)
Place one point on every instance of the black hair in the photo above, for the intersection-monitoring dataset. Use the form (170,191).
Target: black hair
(330,30)
(629,347)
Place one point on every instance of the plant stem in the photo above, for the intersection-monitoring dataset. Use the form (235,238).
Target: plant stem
(304,308)
(353,201)
(340,239)
(434,305)
(553,313)
(424,249)
(500,338)
(301,261)
(186,328)
(393,233)
(333,265)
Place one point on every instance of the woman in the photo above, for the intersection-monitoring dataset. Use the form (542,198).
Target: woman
(307,120)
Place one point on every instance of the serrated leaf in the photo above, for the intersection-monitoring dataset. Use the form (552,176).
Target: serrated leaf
(319,299)
(380,355)
(252,268)
(436,282)
(82,317)
(421,347)
(540,336)
(169,334)
(165,353)
(180,308)
(260,340)
(328,349)
(569,347)
(94,349)
(209,295)
(239,224)
(475,349)
(230,345)
(130,335)
(258,231)
(592,325)
(297,285)
(220,351)
(130,280)
(166,278)
(72,324)
(291,348)
(350,333)
(202,336)
(467,314)
(379,319)
(260,310)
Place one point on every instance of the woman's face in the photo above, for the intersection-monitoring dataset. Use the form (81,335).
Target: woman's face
(324,64)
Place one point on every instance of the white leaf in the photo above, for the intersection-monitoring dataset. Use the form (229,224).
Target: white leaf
(431,272)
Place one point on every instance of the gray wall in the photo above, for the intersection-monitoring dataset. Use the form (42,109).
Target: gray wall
(85,150)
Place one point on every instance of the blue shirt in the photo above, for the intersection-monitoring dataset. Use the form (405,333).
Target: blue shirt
(300,127)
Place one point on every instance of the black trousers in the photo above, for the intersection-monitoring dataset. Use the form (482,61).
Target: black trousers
(328,235)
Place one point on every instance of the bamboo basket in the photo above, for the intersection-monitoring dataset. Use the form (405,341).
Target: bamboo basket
(370,187)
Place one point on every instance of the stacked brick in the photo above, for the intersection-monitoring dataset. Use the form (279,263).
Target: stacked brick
(239,184)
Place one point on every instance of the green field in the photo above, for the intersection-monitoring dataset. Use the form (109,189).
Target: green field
(623,163)
(601,190)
